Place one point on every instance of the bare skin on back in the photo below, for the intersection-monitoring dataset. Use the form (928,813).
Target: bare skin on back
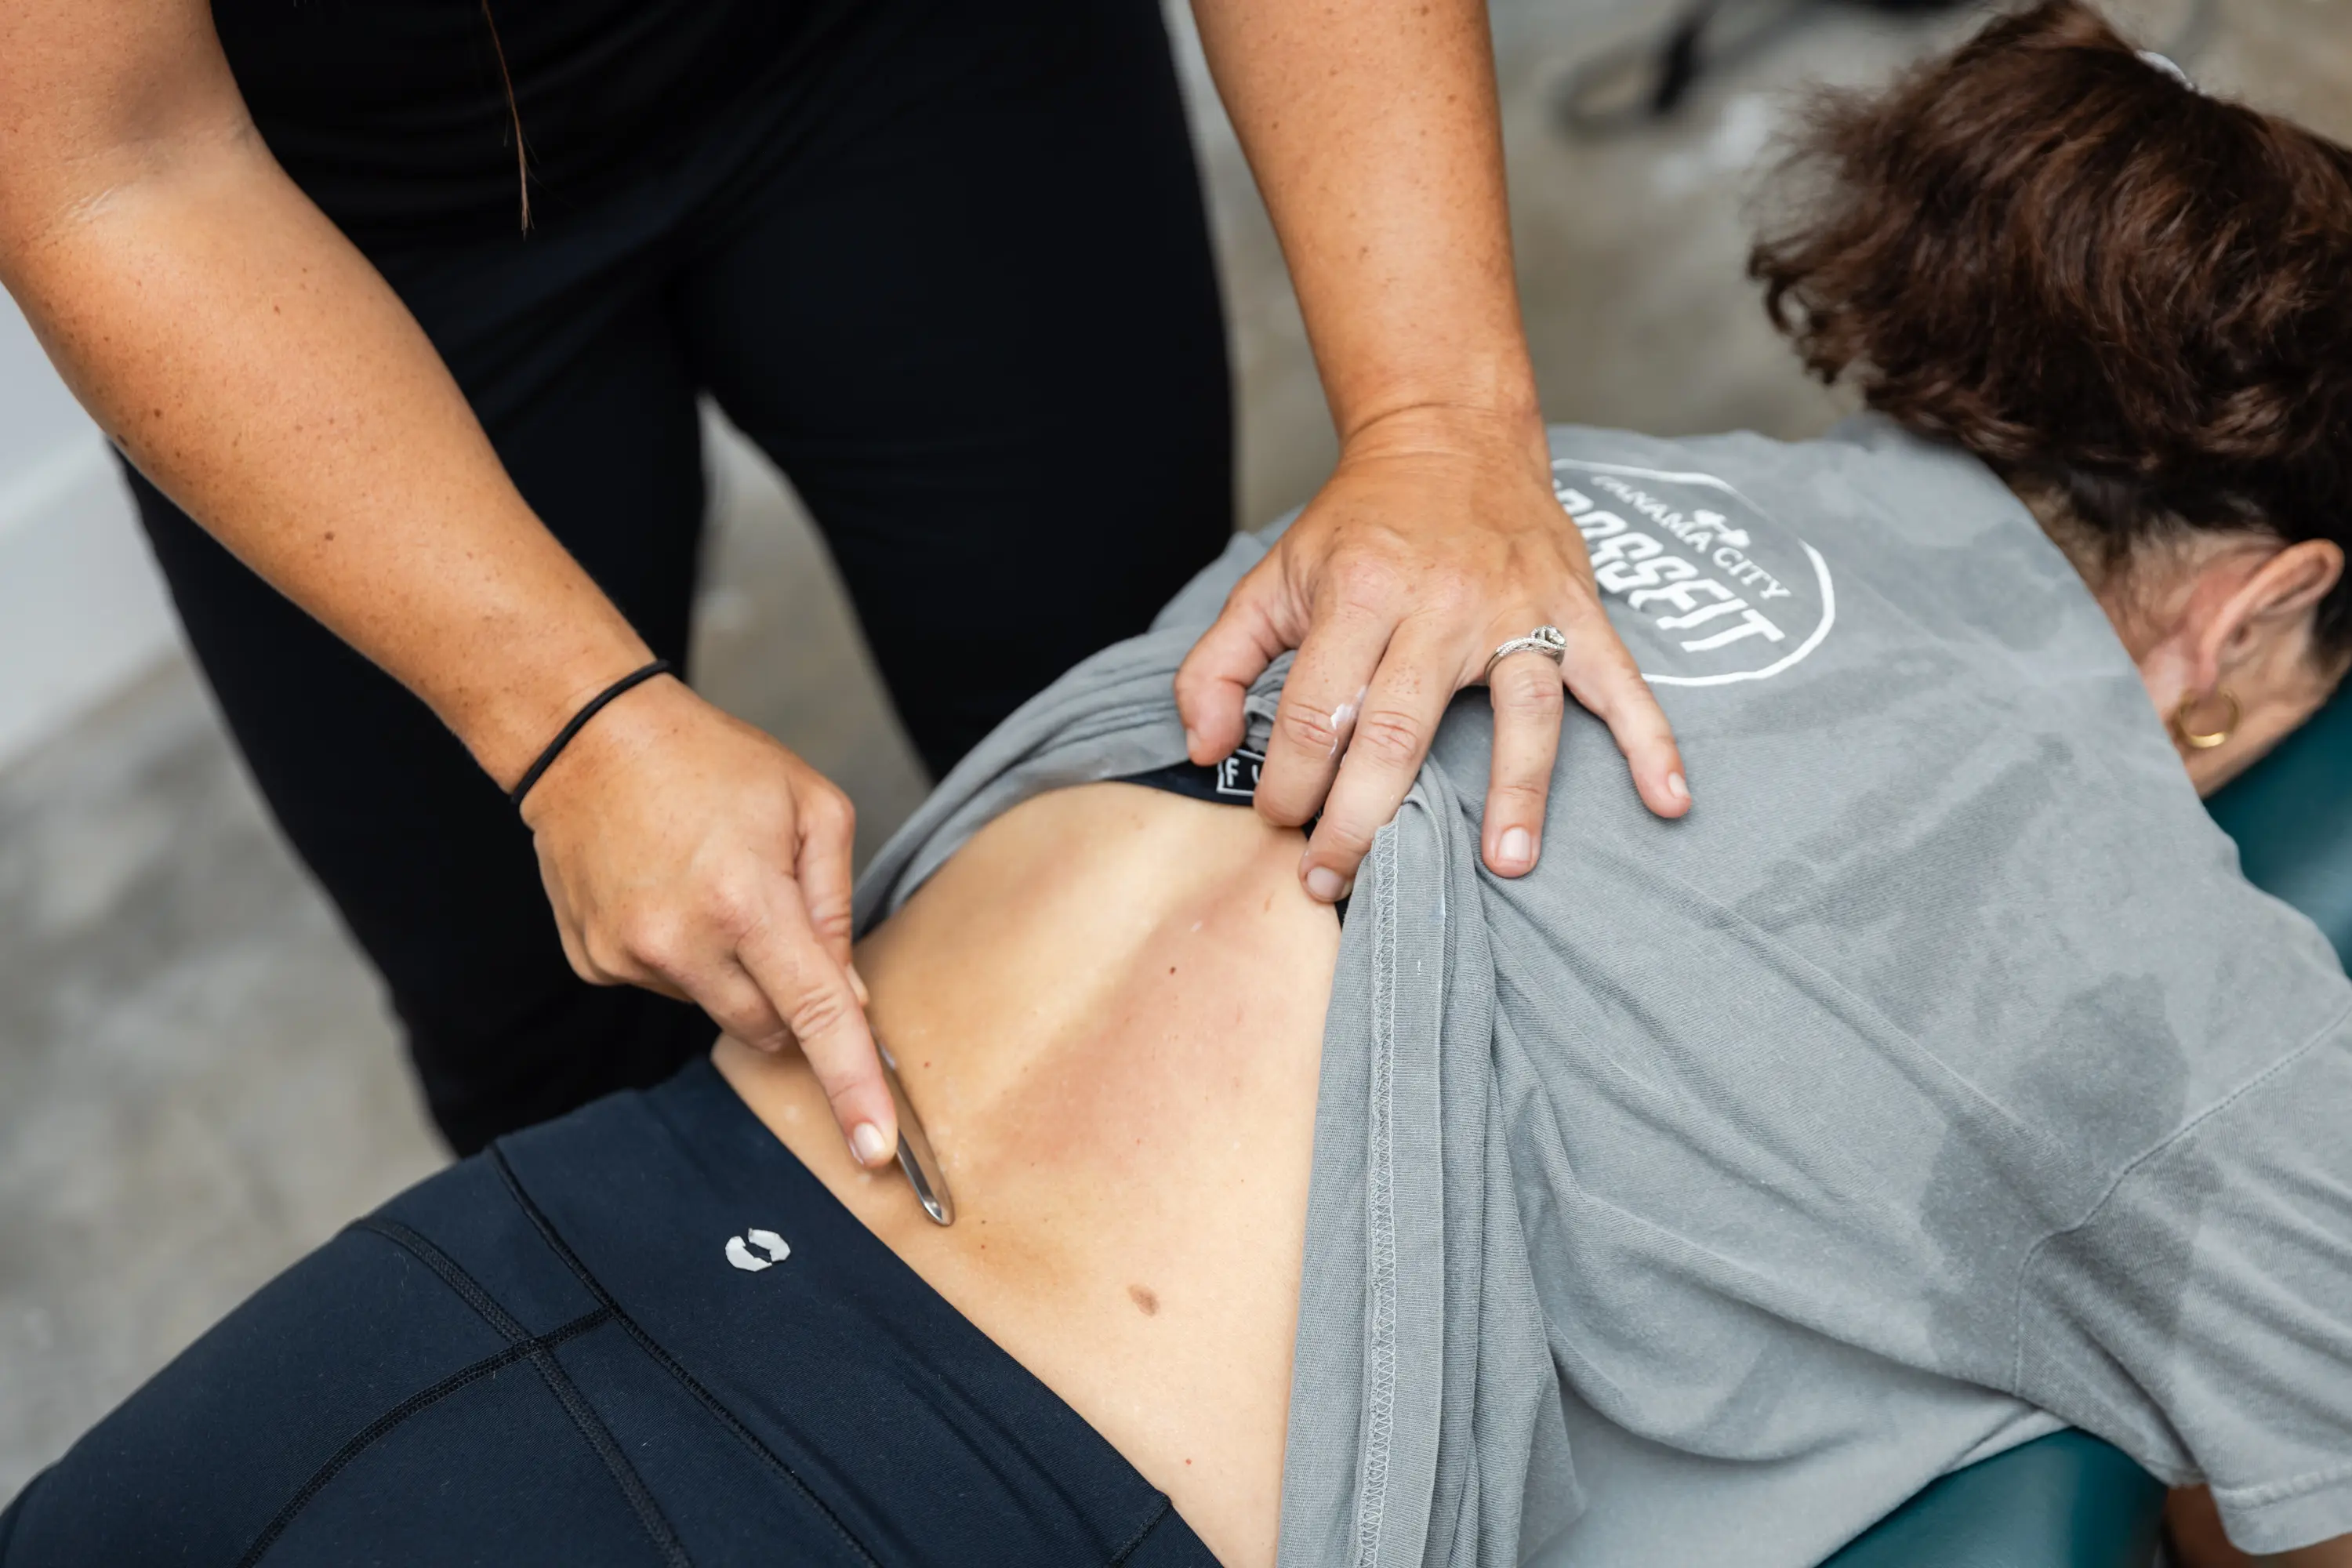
(1108,1009)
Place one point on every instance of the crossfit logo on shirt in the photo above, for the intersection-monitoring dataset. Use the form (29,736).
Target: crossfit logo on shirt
(774,1248)
(1720,592)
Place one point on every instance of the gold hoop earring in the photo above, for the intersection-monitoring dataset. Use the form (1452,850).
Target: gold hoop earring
(2206,740)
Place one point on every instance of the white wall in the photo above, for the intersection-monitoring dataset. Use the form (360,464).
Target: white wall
(82,607)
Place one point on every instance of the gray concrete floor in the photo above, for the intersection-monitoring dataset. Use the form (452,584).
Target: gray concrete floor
(198,1080)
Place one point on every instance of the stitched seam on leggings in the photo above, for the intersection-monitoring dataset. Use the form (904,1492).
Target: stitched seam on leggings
(668,1362)
(591,1426)
(1128,1550)
(383,1424)
(441,1264)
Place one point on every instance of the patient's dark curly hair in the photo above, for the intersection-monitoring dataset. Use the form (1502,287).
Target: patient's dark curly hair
(2115,290)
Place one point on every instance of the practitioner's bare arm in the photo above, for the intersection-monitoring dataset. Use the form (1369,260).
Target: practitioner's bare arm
(253,365)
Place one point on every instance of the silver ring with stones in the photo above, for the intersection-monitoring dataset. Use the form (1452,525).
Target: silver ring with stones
(1549,641)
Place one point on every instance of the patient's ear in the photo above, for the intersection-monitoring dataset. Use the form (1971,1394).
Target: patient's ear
(2240,658)
(2265,617)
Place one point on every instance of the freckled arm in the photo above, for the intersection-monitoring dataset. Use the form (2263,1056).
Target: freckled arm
(265,376)
(251,363)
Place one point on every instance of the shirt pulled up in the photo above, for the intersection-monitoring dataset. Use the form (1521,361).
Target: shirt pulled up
(1938,1081)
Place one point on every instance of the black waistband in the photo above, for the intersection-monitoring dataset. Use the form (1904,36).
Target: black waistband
(1232,782)
(913,1428)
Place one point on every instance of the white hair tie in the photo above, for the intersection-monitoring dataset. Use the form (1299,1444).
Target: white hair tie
(2164,64)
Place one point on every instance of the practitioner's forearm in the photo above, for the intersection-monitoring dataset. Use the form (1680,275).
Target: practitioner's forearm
(1373,129)
(281,395)
(253,365)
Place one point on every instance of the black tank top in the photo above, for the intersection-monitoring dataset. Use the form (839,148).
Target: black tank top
(391,113)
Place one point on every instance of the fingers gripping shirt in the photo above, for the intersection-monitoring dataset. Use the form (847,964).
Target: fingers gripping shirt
(1705,1192)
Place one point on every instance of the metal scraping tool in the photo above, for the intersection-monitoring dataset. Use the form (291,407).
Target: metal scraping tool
(915,1155)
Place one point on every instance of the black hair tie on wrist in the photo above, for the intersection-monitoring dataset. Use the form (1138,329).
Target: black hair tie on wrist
(636,677)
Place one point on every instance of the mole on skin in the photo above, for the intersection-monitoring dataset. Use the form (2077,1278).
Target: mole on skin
(1144,1299)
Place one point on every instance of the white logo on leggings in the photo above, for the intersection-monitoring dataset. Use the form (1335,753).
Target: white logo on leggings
(767,1241)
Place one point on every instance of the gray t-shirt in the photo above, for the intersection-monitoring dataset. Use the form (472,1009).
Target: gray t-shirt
(1938,1081)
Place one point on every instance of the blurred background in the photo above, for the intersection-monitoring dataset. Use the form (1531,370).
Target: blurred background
(198,1078)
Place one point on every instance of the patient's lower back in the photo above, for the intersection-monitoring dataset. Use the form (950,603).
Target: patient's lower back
(1108,1009)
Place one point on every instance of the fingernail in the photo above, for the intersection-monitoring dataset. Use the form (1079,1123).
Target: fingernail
(1192,742)
(1517,848)
(857,987)
(1677,787)
(1324,886)
(868,1144)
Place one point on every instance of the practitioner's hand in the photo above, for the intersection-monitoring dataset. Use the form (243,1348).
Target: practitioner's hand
(688,852)
(1436,538)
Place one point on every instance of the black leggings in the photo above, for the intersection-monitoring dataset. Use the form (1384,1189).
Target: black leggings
(642,1335)
(951,270)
